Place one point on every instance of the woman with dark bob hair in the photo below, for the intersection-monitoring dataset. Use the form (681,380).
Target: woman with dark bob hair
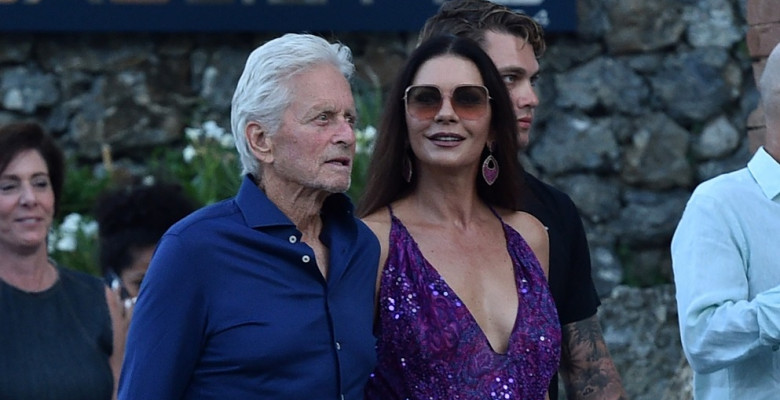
(463,307)
(56,325)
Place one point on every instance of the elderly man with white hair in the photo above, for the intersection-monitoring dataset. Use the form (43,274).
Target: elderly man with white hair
(726,260)
(270,294)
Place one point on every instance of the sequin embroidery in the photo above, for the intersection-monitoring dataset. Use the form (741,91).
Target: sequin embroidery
(430,347)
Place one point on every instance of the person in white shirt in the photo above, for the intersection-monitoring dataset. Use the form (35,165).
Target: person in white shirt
(726,261)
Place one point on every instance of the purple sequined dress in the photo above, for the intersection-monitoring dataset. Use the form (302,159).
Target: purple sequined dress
(430,346)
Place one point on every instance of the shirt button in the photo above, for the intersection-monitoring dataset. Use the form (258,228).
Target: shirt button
(338,346)
(305,258)
(293,239)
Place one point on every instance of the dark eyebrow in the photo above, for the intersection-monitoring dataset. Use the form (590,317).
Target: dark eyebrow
(515,71)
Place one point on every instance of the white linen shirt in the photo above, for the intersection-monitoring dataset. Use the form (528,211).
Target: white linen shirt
(726,261)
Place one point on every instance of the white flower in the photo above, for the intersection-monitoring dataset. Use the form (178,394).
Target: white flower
(189,153)
(71,223)
(66,243)
(359,147)
(213,130)
(90,228)
(369,133)
(227,141)
(365,140)
(148,180)
(193,133)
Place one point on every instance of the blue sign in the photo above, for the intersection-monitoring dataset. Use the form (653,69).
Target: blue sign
(249,15)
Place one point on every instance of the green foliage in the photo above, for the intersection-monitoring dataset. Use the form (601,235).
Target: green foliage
(73,243)
(207,167)
(369,101)
(81,189)
(364,146)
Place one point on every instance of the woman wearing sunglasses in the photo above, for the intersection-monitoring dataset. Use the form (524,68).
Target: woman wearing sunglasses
(463,308)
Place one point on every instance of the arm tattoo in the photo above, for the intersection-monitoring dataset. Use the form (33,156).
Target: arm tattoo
(587,369)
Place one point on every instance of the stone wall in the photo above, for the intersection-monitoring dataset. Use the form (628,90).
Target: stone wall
(763,34)
(636,110)
(643,102)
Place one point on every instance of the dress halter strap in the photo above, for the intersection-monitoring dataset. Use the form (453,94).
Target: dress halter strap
(493,210)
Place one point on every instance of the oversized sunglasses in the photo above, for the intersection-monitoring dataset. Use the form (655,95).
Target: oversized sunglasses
(423,102)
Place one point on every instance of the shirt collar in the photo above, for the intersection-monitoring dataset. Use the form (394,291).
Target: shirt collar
(766,171)
(260,211)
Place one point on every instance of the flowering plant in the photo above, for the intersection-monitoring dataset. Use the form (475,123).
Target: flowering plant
(73,242)
(207,167)
(364,146)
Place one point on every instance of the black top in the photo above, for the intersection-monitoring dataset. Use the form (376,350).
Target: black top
(570,278)
(55,344)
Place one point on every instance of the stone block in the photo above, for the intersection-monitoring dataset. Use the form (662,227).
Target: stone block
(761,39)
(681,385)
(762,11)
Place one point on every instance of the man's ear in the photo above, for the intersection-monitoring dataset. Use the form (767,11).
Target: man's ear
(259,142)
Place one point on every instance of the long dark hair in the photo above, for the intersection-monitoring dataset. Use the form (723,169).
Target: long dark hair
(20,136)
(385,182)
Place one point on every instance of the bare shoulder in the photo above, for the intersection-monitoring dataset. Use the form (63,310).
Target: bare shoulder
(526,224)
(379,222)
(534,233)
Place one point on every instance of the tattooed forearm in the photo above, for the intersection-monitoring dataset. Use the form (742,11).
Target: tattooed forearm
(587,369)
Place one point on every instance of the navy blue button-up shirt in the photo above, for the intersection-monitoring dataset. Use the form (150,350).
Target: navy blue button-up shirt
(234,307)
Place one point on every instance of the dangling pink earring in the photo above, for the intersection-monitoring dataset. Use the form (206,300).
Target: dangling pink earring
(406,169)
(490,169)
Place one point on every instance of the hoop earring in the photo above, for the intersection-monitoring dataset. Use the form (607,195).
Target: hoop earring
(406,168)
(490,169)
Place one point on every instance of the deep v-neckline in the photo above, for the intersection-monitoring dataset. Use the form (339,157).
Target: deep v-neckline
(456,298)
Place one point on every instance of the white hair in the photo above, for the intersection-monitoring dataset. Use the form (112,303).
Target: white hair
(262,93)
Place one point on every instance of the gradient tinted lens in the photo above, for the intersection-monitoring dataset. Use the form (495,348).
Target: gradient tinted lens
(423,102)
(469,101)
